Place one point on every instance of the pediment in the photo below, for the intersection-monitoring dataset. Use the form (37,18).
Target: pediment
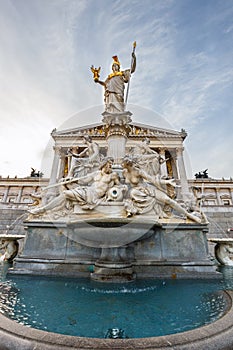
(137,130)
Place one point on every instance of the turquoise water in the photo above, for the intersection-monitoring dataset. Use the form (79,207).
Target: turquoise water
(86,308)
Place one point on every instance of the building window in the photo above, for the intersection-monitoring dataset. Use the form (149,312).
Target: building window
(210,202)
(226,202)
(12,199)
(27,200)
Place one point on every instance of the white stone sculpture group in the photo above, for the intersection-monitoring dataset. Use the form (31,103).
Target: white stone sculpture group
(137,185)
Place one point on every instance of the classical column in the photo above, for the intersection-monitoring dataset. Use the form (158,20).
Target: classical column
(6,194)
(231,191)
(219,202)
(54,171)
(173,162)
(19,195)
(69,160)
(62,164)
(163,166)
(185,193)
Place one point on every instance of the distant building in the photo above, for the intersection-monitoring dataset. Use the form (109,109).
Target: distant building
(16,192)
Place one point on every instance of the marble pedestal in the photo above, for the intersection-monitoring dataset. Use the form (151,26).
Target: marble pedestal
(114,264)
(116,250)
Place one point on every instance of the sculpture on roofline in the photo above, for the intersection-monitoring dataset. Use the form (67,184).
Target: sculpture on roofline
(202,174)
(35,173)
(114,85)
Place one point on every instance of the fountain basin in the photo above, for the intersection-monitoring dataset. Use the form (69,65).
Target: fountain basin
(109,233)
(217,335)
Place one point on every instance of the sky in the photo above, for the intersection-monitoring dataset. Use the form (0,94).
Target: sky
(184,74)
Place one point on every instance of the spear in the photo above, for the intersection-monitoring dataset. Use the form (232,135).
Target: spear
(60,183)
(131,66)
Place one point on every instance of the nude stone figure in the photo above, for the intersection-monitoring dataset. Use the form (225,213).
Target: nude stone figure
(89,192)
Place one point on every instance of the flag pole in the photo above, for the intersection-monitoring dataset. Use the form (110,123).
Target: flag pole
(131,66)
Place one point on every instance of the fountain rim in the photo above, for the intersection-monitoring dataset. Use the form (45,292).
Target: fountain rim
(218,333)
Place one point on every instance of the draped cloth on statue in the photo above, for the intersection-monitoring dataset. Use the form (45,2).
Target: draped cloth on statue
(85,196)
(114,91)
(143,200)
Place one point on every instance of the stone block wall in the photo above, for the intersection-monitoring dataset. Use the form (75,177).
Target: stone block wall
(219,223)
(11,221)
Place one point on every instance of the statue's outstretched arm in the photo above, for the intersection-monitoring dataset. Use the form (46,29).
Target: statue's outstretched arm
(86,179)
(100,82)
(83,152)
(96,75)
